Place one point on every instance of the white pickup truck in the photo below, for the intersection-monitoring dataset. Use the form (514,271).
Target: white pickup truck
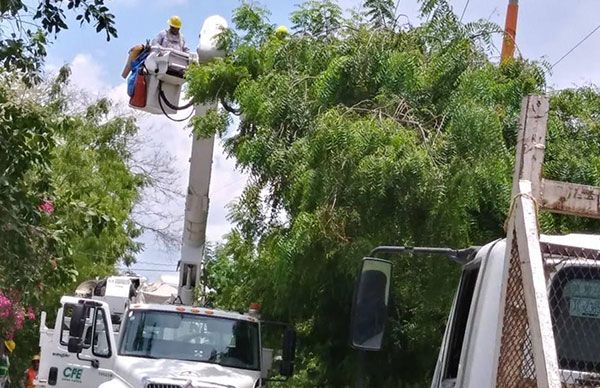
(155,346)
(527,309)
(467,358)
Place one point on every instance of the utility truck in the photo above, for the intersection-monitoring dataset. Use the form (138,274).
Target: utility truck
(155,346)
(527,309)
(125,332)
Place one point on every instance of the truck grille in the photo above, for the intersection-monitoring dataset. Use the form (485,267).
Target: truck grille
(158,385)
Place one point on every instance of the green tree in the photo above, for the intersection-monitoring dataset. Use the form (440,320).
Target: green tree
(67,192)
(26,32)
(356,134)
(381,13)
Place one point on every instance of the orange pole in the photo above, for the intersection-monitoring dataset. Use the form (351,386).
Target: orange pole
(510,31)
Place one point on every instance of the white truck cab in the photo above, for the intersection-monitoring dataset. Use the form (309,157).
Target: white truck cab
(467,358)
(93,364)
(155,346)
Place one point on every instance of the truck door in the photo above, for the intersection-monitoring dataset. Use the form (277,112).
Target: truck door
(452,347)
(94,364)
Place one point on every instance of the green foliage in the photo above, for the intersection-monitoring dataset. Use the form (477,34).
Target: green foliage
(355,134)
(24,49)
(66,195)
(317,18)
(573,150)
(380,12)
(251,19)
(213,121)
(27,143)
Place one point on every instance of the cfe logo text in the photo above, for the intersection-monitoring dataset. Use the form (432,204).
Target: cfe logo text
(72,374)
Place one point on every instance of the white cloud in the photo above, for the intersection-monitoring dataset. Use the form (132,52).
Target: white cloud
(349,4)
(158,3)
(88,75)
(225,187)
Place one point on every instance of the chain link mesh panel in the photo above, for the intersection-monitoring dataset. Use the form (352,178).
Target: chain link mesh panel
(574,294)
(516,367)
(573,276)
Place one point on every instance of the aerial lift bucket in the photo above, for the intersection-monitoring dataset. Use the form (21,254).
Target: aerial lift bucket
(165,71)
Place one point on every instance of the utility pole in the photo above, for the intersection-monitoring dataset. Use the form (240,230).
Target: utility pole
(510,31)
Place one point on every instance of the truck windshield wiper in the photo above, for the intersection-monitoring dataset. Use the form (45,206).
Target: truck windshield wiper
(213,356)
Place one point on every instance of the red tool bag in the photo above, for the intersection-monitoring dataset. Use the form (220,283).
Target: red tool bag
(139,92)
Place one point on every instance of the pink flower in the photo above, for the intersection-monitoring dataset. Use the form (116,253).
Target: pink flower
(4,302)
(19,319)
(46,207)
(30,313)
(5,306)
(12,313)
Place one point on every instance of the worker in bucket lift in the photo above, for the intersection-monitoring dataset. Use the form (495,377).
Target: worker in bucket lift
(172,37)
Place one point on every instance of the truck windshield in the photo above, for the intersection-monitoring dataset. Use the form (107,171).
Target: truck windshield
(191,337)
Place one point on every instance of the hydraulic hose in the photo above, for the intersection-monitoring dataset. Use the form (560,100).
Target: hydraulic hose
(168,103)
(162,108)
(163,98)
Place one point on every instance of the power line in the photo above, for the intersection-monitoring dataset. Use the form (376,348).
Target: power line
(464,10)
(147,270)
(577,45)
(218,189)
(155,264)
(155,267)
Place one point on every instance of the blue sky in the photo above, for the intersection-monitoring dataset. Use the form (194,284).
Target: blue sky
(139,20)
(547,29)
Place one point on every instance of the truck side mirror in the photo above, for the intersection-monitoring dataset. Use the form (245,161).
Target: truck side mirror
(288,355)
(76,327)
(369,308)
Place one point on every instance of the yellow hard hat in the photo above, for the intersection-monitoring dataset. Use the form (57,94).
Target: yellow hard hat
(35,358)
(281,31)
(174,21)
(10,345)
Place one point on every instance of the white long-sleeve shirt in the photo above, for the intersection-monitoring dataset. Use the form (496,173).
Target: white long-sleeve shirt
(168,40)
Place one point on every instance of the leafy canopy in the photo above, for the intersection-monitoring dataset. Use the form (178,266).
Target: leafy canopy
(66,196)
(360,132)
(25,32)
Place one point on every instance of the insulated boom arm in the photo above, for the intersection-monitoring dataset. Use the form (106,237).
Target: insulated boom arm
(164,70)
(196,215)
(196,203)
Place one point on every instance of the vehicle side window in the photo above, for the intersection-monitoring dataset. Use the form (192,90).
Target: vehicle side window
(575,306)
(101,340)
(66,321)
(459,321)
